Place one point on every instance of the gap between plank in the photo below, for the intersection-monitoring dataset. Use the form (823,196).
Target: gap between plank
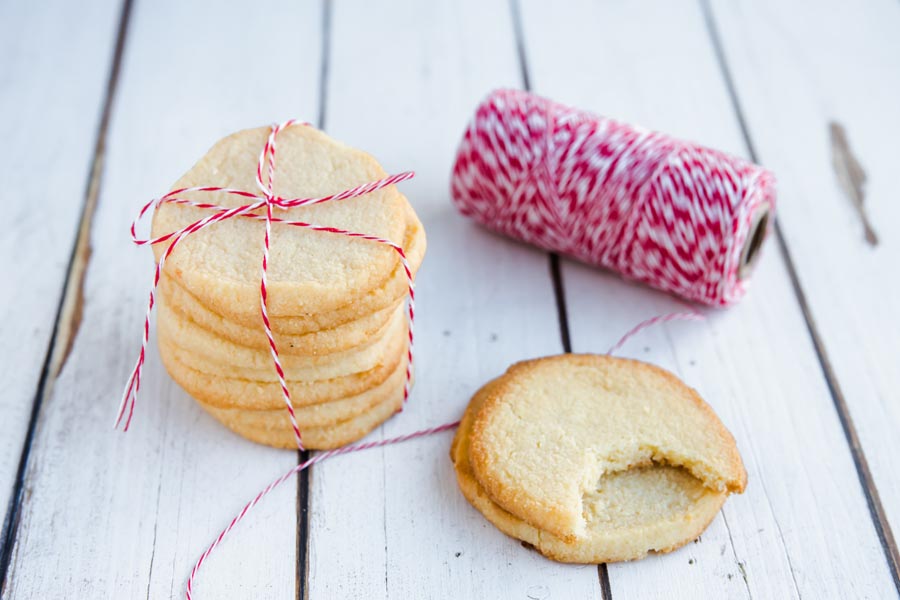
(559,293)
(66,320)
(553,258)
(873,499)
(303,506)
(304,479)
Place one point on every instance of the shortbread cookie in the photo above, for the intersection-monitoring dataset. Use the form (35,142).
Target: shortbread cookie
(280,434)
(205,351)
(630,513)
(551,428)
(315,415)
(344,337)
(229,392)
(392,290)
(310,272)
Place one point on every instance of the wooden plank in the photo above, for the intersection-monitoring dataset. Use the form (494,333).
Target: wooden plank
(45,162)
(110,515)
(392,523)
(653,63)
(808,76)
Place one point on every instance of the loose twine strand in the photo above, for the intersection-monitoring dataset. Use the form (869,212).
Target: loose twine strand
(300,467)
(268,200)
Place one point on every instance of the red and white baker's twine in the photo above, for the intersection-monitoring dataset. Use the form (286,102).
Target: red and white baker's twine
(670,213)
(267,200)
(689,315)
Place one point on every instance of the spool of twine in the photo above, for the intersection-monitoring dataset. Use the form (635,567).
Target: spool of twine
(676,215)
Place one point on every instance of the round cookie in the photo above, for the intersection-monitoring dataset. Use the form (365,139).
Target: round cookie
(324,341)
(205,351)
(230,392)
(309,271)
(315,415)
(281,435)
(633,512)
(392,290)
(550,428)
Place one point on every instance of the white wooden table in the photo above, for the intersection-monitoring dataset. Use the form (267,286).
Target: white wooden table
(104,103)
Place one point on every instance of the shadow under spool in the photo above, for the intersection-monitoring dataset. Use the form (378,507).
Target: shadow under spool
(755,238)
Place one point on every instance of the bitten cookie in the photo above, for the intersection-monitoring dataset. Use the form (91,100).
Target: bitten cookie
(598,458)
(630,513)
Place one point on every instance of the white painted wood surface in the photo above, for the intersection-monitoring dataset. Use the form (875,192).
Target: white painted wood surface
(110,515)
(844,67)
(754,363)
(483,304)
(48,147)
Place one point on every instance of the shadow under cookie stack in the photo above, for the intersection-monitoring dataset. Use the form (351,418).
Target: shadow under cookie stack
(337,305)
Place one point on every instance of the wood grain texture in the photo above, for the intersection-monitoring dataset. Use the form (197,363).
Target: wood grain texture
(111,515)
(755,363)
(45,163)
(801,73)
(391,523)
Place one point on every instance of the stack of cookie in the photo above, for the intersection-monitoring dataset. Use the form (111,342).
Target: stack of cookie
(336,304)
(594,459)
